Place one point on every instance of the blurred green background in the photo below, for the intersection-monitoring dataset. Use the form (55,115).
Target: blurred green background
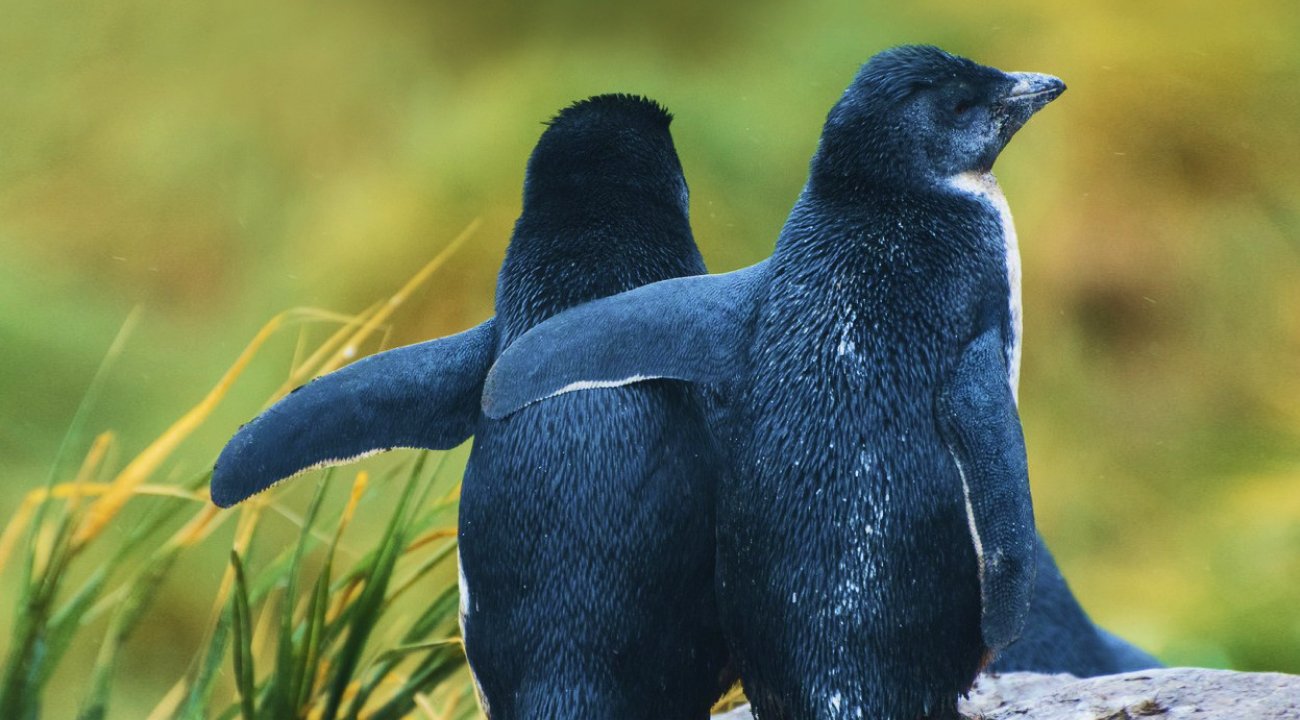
(217,163)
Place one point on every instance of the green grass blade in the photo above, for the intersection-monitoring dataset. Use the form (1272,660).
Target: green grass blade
(439,618)
(283,690)
(64,623)
(314,634)
(199,696)
(242,652)
(28,656)
(76,429)
(426,566)
(143,591)
(369,604)
(439,665)
(28,663)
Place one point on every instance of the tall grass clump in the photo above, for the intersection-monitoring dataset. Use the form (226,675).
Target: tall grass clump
(327,626)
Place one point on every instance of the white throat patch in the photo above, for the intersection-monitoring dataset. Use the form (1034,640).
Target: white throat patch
(985,187)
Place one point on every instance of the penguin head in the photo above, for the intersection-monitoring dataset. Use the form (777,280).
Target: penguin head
(605,149)
(605,210)
(917,114)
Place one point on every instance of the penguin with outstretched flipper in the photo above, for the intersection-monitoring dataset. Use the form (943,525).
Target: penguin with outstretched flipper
(587,561)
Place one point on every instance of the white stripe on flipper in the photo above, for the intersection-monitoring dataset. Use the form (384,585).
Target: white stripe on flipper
(332,462)
(597,384)
(327,462)
(985,187)
(496,412)
(970,518)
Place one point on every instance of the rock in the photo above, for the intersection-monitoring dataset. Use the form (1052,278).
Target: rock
(1174,693)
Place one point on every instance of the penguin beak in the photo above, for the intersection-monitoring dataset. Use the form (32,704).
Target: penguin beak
(1031,91)
(1025,94)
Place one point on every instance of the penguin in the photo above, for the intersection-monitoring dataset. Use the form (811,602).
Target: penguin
(1059,637)
(586,560)
(876,539)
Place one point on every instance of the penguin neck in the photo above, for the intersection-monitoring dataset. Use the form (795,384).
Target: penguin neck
(849,183)
(560,259)
(983,186)
(888,244)
(876,224)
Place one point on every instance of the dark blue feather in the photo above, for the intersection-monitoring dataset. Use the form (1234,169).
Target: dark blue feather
(419,396)
(681,329)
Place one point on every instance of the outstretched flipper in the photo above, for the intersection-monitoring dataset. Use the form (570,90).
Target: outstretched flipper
(981,426)
(684,329)
(418,396)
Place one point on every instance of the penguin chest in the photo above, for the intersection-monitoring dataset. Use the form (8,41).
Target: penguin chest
(984,188)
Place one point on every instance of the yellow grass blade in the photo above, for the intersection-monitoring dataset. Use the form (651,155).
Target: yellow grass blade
(199,527)
(248,517)
(310,367)
(449,708)
(98,449)
(425,706)
(43,548)
(68,491)
(266,628)
(341,601)
(144,464)
(430,537)
(166,708)
(733,698)
(349,351)
(75,489)
(358,489)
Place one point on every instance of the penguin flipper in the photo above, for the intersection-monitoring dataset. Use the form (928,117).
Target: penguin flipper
(419,396)
(982,429)
(683,329)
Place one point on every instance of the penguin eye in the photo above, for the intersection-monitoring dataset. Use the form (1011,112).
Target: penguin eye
(962,106)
